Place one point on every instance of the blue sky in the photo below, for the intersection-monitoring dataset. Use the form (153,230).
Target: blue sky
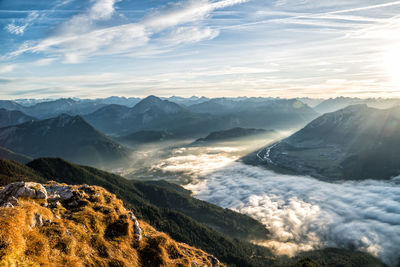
(286,48)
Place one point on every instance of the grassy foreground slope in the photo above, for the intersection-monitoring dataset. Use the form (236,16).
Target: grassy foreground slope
(90,227)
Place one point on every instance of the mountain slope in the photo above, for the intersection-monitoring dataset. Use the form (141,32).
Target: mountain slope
(10,105)
(259,113)
(334,104)
(357,142)
(54,108)
(62,225)
(143,137)
(8,154)
(11,171)
(64,136)
(169,220)
(234,133)
(13,117)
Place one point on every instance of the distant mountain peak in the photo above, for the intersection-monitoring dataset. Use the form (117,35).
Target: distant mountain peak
(152,99)
(155,102)
(65,119)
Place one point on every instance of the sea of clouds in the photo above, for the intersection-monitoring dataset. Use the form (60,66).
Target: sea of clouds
(302,213)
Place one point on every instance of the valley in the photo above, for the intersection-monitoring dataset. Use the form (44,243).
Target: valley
(301,212)
(280,182)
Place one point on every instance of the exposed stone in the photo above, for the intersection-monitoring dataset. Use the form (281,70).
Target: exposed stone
(132,216)
(136,227)
(13,200)
(137,230)
(7,205)
(37,220)
(214,261)
(13,191)
(73,204)
(58,192)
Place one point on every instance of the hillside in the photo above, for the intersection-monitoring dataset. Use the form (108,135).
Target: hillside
(8,154)
(234,133)
(168,217)
(11,171)
(13,117)
(61,225)
(357,142)
(143,137)
(64,136)
(259,112)
(334,104)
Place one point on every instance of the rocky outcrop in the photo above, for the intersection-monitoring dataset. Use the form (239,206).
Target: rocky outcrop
(11,193)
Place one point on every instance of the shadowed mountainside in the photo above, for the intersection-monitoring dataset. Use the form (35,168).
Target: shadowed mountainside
(13,117)
(64,136)
(356,142)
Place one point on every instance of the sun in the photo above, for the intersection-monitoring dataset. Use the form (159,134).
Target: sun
(392,65)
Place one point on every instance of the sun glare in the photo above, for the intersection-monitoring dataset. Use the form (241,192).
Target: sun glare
(392,65)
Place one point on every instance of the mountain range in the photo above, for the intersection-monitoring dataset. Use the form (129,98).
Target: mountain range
(66,136)
(357,142)
(334,104)
(152,113)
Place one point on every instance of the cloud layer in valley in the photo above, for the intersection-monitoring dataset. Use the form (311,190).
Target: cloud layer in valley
(302,213)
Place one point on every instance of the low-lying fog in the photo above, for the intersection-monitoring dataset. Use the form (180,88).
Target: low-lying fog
(302,213)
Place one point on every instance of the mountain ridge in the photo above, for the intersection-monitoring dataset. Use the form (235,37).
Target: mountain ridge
(65,136)
(357,142)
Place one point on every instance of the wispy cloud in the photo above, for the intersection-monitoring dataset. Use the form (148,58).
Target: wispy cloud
(14,28)
(80,37)
(212,47)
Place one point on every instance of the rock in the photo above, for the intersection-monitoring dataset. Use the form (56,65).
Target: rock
(68,232)
(214,261)
(54,205)
(12,192)
(136,227)
(132,216)
(37,220)
(137,231)
(13,200)
(7,205)
(73,204)
(58,192)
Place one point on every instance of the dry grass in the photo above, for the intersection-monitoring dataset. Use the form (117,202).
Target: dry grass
(97,232)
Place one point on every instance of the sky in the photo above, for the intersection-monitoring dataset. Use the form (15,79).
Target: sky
(213,48)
